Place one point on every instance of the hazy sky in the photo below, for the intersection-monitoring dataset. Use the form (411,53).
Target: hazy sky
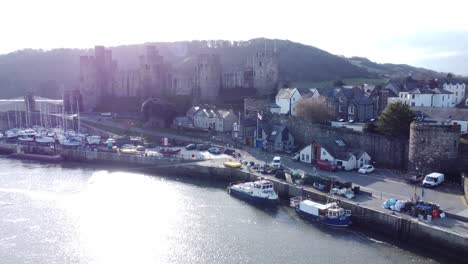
(425,33)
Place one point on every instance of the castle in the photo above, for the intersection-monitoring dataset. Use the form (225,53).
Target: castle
(100,79)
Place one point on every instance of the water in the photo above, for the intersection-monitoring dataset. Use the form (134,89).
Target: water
(55,214)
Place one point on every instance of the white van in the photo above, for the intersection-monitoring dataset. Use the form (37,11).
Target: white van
(433,179)
(276,163)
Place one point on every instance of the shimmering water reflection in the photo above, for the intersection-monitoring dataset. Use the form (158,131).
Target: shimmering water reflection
(54,214)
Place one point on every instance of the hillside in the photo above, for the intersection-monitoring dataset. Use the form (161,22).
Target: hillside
(46,71)
(389,70)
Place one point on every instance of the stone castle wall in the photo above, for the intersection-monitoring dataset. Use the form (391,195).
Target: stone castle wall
(385,151)
(433,147)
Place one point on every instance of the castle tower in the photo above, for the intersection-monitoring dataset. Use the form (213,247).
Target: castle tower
(97,77)
(207,78)
(432,148)
(265,72)
(155,74)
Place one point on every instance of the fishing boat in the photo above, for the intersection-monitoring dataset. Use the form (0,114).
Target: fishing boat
(169,151)
(259,192)
(330,214)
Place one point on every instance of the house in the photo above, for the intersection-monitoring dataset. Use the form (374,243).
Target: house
(245,131)
(210,118)
(274,138)
(361,109)
(336,152)
(456,87)
(286,99)
(443,116)
(349,103)
(431,97)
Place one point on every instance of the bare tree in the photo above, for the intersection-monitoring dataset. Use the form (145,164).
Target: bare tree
(314,110)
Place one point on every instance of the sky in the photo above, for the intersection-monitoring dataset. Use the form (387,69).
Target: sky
(430,33)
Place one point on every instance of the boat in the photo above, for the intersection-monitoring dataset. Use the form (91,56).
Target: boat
(232,164)
(259,192)
(70,143)
(330,214)
(25,139)
(37,157)
(45,139)
(128,149)
(11,134)
(169,151)
(93,140)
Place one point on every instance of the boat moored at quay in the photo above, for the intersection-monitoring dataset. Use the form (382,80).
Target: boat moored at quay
(258,192)
(330,214)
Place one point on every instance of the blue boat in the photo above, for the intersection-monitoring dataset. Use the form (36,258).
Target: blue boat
(258,192)
(330,214)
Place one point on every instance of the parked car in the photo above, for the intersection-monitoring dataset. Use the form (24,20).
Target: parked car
(433,179)
(366,169)
(214,150)
(276,162)
(191,147)
(325,165)
(203,146)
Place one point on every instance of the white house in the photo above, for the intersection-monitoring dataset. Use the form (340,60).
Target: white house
(335,152)
(426,97)
(457,88)
(220,120)
(287,99)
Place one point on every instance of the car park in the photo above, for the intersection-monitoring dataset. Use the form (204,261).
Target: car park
(366,169)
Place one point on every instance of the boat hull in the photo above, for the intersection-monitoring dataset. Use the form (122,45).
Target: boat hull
(252,199)
(337,222)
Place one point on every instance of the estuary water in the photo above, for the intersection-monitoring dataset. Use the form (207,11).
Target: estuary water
(80,214)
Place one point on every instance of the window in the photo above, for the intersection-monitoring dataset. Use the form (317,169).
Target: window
(412,96)
(302,157)
(351,109)
(341,99)
(324,153)
(443,98)
(340,109)
(307,157)
(456,93)
(413,104)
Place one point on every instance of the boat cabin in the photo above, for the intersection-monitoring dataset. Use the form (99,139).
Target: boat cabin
(331,210)
(263,185)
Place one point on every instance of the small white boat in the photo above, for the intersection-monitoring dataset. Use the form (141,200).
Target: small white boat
(331,214)
(27,132)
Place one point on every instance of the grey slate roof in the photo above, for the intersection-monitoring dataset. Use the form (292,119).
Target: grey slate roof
(429,91)
(443,114)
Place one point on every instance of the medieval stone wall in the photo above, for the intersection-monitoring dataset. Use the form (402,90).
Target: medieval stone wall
(385,151)
(207,77)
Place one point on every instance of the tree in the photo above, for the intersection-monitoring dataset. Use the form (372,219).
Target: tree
(338,83)
(314,110)
(396,120)
(450,76)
